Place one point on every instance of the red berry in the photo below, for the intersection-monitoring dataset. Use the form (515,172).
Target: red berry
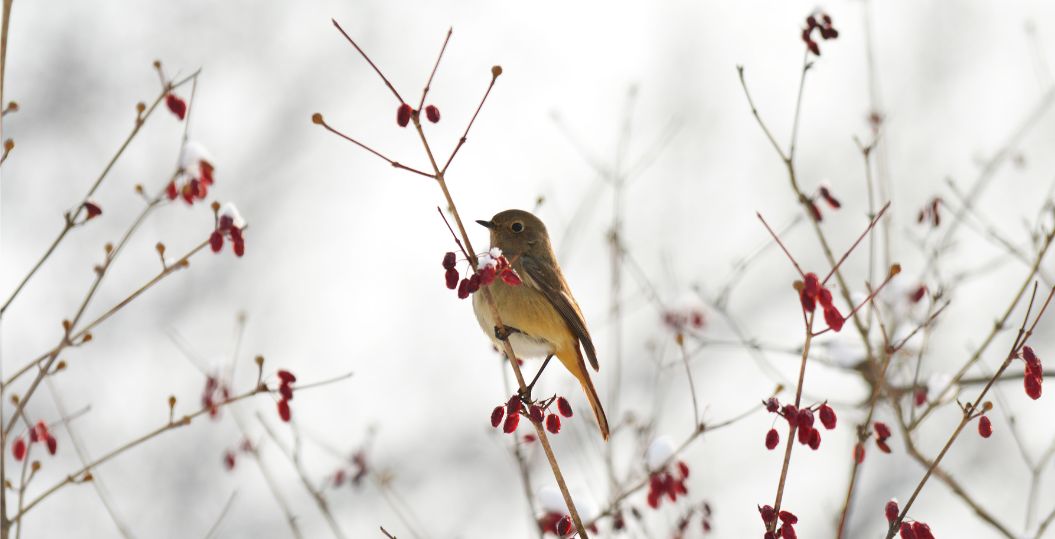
(833,318)
(432,113)
(815,439)
(238,246)
(176,105)
(787,531)
(403,114)
(891,511)
(496,416)
(772,405)
(859,453)
(563,525)
(882,431)
(513,405)
(18,449)
(449,260)
(452,278)
(922,530)
(906,531)
(535,413)
(171,192)
(553,423)
(918,294)
(788,517)
(768,513)
(827,416)
(286,377)
(1033,387)
(824,296)
(286,392)
(985,427)
(93,209)
(564,407)
(510,277)
(228,460)
(805,420)
(772,439)
(510,425)
(791,413)
(216,241)
(463,289)
(804,435)
(815,49)
(283,410)
(683,469)
(883,446)
(831,200)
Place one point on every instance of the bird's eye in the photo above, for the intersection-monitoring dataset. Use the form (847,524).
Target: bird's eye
(517,227)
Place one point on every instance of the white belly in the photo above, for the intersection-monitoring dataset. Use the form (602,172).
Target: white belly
(524,346)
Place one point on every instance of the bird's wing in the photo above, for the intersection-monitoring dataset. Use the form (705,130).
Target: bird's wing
(556,291)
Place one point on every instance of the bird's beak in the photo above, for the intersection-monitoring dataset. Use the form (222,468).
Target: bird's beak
(486,224)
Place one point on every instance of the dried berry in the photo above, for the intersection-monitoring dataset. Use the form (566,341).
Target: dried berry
(772,439)
(828,418)
(496,416)
(432,113)
(449,261)
(553,423)
(891,510)
(564,407)
(985,427)
(176,105)
(403,114)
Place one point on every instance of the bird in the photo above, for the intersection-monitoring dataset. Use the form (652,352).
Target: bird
(540,315)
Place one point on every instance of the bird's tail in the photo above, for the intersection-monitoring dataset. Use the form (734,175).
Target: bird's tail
(577,367)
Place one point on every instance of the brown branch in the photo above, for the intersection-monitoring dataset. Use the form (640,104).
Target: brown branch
(971,412)
(440,180)
(294,457)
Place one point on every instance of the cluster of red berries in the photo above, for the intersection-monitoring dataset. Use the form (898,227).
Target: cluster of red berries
(801,421)
(491,265)
(353,475)
(404,112)
(677,320)
(882,432)
(907,530)
(1034,378)
(229,224)
(825,193)
(686,520)
(811,292)
(39,433)
(825,27)
(190,186)
(786,529)
(285,392)
(930,214)
(539,413)
(216,392)
(669,483)
(230,456)
(177,105)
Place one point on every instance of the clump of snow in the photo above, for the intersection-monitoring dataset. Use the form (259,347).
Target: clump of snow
(229,210)
(192,154)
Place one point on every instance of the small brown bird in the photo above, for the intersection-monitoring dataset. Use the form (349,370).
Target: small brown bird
(541,316)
